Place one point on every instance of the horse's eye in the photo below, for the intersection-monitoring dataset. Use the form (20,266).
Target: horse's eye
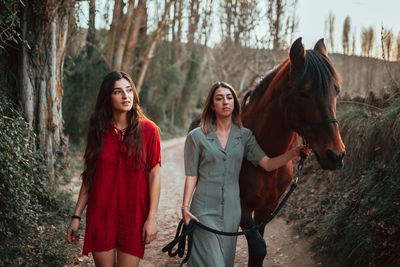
(337,89)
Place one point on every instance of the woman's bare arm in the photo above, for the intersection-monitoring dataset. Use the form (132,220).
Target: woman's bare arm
(270,164)
(72,231)
(149,231)
(190,185)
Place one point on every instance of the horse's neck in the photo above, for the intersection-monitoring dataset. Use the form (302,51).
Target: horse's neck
(266,120)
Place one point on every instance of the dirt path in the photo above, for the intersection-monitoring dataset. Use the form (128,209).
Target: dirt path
(285,248)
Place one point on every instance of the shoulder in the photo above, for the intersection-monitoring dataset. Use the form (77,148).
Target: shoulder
(196,134)
(148,126)
(246,133)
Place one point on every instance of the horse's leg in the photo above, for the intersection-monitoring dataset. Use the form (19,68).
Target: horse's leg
(255,242)
(259,217)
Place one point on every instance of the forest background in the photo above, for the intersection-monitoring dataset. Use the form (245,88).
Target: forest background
(52,67)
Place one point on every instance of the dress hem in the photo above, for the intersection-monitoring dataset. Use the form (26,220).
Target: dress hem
(131,252)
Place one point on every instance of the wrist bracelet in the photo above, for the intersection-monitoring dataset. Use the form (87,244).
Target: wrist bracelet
(76,217)
(184,207)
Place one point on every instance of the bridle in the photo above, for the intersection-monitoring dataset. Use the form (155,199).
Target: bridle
(308,128)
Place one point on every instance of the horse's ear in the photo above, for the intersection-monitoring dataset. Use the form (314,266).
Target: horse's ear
(320,47)
(297,53)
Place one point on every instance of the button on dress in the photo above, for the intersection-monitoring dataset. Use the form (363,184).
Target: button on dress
(118,202)
(216,200)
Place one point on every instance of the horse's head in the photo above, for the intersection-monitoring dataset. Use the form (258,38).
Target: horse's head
(310,102)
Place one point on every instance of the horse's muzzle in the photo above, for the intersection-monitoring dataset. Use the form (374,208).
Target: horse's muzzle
(331,160)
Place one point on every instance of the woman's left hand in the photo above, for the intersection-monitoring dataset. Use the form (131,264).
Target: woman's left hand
(149,231)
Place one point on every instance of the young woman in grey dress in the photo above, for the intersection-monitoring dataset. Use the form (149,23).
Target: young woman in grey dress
(213,156)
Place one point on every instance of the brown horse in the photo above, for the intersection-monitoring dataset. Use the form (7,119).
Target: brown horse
(299,96)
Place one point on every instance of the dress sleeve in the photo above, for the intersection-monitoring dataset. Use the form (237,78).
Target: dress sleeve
(191,156)
(154,150)
(252,150)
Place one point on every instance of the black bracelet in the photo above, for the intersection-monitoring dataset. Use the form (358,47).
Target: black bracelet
(76,217)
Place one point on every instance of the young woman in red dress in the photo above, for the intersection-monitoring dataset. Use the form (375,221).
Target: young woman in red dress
(121,180)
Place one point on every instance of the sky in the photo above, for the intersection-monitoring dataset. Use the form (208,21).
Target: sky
(312,15)
(363,13)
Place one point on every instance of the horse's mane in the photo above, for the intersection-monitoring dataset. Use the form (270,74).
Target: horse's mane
(316,65)
(263,85)
(319,67)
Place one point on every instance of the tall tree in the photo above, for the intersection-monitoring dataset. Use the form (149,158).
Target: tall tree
(44,28)
(387,42)
(346,35)
(353,43)
(90,38)
(330,29)
(123,35)
(281,24)
(367,41)
(129,54)
(152,45)
(193,22)
(206,21)
(398,47)
(114,30)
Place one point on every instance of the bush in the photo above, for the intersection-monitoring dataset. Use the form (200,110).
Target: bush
(32,209)
(363,227)
(353,213)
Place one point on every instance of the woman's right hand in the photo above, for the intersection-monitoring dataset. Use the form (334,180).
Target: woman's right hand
(72,235)
(188,216)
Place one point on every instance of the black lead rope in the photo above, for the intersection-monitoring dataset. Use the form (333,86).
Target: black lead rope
(303,157)
(182,232)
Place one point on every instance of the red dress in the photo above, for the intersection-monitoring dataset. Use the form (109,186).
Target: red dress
(118,203)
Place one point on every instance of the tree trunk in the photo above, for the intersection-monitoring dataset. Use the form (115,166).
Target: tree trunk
(90,38)
(123,36)
(114,30)
(150,49)
(129,55)
(179,30)
(186,103)
(193,21)
(44,27)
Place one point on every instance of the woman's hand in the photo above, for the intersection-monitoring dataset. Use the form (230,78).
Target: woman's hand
(149,231)
(72,231)
(188,216)
(302,149)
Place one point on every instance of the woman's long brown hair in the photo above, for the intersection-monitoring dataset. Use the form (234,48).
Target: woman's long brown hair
(208,116)
(100,121)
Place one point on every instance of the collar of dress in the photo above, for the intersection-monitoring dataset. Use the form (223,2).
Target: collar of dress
(233,139)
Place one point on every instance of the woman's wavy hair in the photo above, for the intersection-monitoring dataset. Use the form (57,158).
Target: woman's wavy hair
(100,122)
(208,116)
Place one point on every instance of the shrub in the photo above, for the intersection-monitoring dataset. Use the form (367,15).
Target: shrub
(32,209)
(362,227)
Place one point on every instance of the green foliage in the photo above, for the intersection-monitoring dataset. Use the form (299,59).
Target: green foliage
(83,77)
(9,23)
(32,209)
(362,226)
(160,93)
(172,95)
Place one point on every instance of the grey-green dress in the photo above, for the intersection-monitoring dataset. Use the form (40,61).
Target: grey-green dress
(216,200)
